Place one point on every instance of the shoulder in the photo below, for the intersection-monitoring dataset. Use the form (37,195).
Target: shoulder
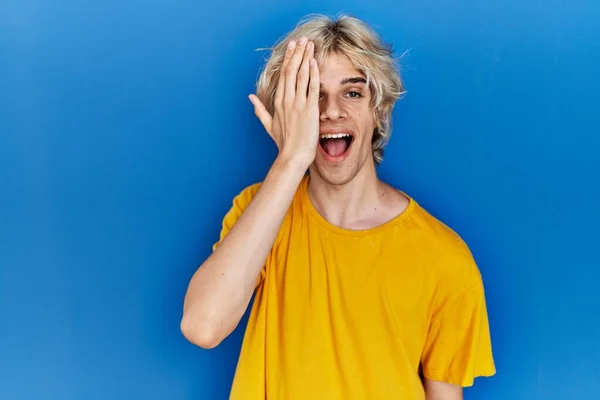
(249,191)
(239,203)
(449,259)
(448,264)
(245,195)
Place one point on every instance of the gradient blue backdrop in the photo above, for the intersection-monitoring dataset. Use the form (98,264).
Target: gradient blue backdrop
(125,131)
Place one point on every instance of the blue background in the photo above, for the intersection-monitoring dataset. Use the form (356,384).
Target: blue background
(125,130)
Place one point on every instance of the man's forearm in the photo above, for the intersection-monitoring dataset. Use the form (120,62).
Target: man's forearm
(221,289)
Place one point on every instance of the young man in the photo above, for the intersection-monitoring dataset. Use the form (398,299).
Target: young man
(360,293)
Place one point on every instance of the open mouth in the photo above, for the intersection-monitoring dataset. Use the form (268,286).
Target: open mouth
(336,145)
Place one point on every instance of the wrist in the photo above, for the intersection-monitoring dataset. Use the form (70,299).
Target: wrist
(293,163)
(295,159)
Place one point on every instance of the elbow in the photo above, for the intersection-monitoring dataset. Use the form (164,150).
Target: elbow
(199,332)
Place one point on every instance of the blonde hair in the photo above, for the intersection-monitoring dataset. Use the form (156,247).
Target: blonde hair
(353,38)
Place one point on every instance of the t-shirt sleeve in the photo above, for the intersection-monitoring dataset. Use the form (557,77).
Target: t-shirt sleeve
(458,345)
(239,204)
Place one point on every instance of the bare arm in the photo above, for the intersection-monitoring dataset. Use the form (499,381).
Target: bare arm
(221,289)
(435,390)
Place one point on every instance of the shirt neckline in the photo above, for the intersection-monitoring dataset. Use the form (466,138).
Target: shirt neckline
(353,232)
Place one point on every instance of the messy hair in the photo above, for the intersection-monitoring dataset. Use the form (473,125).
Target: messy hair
(353,38)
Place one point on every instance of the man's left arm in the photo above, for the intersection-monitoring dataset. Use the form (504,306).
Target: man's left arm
(435,390)
(458,345)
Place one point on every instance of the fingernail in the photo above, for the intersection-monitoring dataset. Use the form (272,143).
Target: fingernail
(302,41)
(291,45)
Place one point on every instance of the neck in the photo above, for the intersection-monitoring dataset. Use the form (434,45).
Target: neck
(352,205)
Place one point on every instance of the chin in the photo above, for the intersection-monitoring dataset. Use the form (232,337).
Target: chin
(337,175)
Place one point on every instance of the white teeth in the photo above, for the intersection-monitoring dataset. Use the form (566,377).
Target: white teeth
(335,136)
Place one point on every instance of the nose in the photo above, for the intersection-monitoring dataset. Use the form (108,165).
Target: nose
(331,110)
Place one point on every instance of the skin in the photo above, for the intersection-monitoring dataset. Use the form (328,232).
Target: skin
(310,100)
(349,194)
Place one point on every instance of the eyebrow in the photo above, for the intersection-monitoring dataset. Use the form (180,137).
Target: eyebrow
(357,79)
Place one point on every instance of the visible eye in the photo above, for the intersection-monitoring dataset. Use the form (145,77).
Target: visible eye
(354,95)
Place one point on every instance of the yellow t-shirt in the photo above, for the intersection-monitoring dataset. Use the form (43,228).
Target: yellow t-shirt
(361,314)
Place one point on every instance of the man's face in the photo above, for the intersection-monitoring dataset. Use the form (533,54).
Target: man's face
(346,121)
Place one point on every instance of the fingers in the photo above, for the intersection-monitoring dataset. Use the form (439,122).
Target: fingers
(263,115)
(281,84)
(303,73)
(291,72)
(315,83)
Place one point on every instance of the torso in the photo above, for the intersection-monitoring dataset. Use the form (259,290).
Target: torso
(341,314)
